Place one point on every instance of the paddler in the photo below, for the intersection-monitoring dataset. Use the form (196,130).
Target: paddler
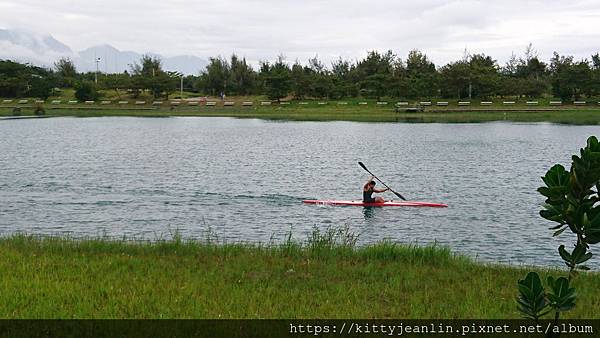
(369,189)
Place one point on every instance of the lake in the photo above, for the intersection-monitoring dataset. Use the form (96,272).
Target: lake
(243,180)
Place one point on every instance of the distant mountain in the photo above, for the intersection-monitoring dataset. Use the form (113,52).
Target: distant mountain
(113,60)
(23,46)
(36,44)
(187,64)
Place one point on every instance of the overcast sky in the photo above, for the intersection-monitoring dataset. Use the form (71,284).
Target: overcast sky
(263,29)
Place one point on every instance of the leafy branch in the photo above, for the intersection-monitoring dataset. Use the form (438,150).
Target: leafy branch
(571,201)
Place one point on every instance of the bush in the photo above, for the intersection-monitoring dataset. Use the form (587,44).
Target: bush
(39,110)
(572,201)
(86,91)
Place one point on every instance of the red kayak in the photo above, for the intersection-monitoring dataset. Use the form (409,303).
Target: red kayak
(385,204)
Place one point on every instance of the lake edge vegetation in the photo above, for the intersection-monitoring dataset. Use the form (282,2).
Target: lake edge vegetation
(326,276)
(565,115)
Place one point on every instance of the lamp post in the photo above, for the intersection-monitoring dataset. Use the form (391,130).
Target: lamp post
(96,75)
(180,75)
(181,87)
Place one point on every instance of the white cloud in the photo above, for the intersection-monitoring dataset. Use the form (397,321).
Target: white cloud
(27,55)
(263,29)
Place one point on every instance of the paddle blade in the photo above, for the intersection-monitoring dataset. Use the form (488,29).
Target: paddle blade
(397,194)
(363,166)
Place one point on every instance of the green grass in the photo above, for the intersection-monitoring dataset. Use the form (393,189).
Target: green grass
(325,277)
(582,116)
(312,111)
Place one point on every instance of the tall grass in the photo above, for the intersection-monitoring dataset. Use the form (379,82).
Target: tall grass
(326,275)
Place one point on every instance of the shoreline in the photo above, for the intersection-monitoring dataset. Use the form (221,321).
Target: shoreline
(587,116)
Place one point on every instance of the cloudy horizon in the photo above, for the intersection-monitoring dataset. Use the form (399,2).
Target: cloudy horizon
(263,29)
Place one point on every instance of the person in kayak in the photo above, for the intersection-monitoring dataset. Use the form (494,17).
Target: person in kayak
(369,189)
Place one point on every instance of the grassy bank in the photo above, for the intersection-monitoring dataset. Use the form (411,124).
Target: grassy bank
(65,278)
(565,115)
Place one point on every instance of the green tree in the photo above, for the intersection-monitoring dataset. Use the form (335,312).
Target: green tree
(535,75)
(420,75)
(149,75)
(484,78)
(19,80)
(321,85)
(277,79)
(117,82)
(570,80)
(242,77)
(455,78)
(343,86)
(149,66)
(374,74)
(510,84)
(595,86)
(562,83)
(301,82)
(66,72)
(41,86)
(165,83)
(534,87)
(86,91)
(475,76)
(190,83)
(400,83)
(13,79)
(213,79)
(524,76)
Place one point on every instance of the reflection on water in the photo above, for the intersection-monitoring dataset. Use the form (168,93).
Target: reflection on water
(369,212)
(246,179)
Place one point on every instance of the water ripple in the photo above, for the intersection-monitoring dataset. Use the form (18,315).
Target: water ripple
(245,179)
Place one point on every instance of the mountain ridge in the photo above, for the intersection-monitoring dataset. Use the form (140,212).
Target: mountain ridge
(44,50)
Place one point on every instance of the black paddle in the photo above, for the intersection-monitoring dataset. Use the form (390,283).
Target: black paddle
(397,194)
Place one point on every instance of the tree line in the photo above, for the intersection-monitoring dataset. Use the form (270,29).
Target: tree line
(378,75)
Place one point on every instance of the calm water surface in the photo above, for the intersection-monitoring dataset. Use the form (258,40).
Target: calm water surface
(245,180)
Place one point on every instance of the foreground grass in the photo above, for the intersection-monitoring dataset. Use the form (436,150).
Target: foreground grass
(65,278)
(565,115)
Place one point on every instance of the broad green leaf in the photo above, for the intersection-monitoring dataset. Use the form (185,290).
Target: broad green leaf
(561,296)
(558,232)
(564,254)
(593,143)
(578,251)
(592,236)
(592,229)
(553,213)
(557,226)
(555,194)
(580,254)
(531,300)
(557,176)
(584,258)
(595,218)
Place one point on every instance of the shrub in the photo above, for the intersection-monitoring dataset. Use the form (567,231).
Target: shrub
(86,91)
(39,109)
(572,201)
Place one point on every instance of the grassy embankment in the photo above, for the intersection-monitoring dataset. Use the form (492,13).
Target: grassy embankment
(65,278)
(352,111)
